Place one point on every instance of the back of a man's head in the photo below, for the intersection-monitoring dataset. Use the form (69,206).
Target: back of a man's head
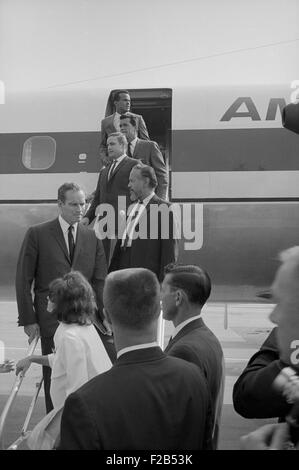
(132,298)
(193,280)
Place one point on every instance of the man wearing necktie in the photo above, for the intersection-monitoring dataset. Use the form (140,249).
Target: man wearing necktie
(147,400)
(112,183)
(49,251)
(145,150)
(111,124)
(71,242)
(184,292)
(143,244)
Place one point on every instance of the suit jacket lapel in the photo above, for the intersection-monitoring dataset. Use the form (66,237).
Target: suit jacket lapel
(146,213)
(57,233)
(119,166)
(154,200)
(136,147)
(198,323)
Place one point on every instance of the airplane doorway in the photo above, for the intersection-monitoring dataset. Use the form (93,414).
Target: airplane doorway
(155,105)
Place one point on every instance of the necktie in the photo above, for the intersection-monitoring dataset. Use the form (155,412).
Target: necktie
(129,153)
(129,227)
(71,242)
(111,170)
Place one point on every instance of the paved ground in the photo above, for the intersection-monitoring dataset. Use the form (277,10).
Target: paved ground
(241,333)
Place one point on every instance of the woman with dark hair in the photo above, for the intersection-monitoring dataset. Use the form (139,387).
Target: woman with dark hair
(79,352)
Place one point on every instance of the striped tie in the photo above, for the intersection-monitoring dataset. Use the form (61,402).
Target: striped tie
(129,227)
(129,153)
(111,170)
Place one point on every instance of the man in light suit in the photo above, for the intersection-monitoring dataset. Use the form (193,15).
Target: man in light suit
(111,124)
(147,400)
(112,183)
(145,150)
(49,251)
(149,239)
(185,290)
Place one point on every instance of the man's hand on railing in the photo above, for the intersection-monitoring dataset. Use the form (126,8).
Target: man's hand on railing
(23,365)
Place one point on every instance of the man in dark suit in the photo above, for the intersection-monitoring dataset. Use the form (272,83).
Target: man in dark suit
(285,293)
(145,150)
(111,124)
(253,394)
(149,237)
(147,400)
(112,183)
(185,290)
(49,251)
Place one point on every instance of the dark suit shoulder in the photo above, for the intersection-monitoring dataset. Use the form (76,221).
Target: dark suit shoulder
(87,231)
(134,372)
(199,338)
(44,226)
(157,200)
(138,116)
(131,161)
(185,368)
(147,143)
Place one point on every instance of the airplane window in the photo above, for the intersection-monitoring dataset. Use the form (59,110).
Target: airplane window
(39,152)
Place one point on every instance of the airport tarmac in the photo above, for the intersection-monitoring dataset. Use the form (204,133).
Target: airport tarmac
(241,329)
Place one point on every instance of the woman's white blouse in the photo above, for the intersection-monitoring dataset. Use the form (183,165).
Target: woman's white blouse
(79,356)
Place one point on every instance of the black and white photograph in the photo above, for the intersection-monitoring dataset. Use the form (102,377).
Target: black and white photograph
(149,236)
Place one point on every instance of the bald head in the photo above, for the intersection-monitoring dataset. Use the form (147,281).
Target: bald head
(131,298)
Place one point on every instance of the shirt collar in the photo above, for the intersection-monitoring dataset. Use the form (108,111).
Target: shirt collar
(184,323)
(147,199)
(118,159)
(136,347)
(65,225)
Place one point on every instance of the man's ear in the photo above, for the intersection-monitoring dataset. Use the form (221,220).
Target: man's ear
(178,297)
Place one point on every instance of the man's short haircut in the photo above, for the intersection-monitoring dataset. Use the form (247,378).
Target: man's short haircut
(131,118)
(73,299)
(147,171)
(132,297)
(193,280)
(121,138)
(67,187)
(116,96)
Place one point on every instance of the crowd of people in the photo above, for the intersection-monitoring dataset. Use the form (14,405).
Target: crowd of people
(94,299)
